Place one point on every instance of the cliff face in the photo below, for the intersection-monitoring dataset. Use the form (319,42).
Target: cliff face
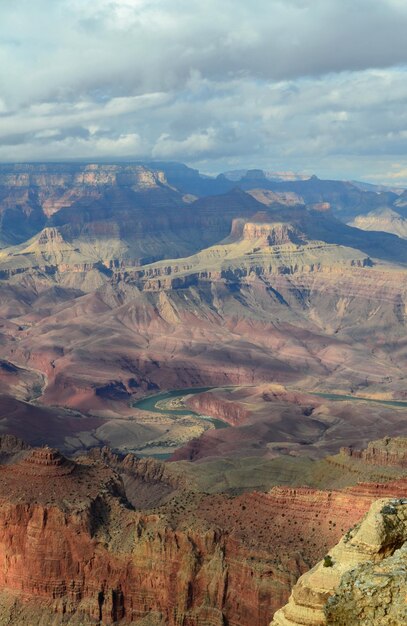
(388,452)
(70,545)
(209,404)
(60,175)
(31,193)
(82,541)
(361,580)
(67,538)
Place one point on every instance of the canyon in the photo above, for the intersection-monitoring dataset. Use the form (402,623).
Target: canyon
(271,291)
(277,305)
(106,539)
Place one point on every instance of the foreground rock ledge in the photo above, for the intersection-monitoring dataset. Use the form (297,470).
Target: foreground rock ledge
(363,579)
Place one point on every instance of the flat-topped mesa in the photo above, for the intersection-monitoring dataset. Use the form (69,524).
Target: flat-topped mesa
(272,234)
(267,229)
(384,452)
(45,462)
(61,175)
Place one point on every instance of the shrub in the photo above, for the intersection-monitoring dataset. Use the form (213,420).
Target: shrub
(388,509)
(328,561)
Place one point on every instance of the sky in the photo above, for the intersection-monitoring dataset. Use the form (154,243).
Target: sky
(313,86)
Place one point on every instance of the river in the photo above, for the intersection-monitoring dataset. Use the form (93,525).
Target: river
(150,404)
(339,397)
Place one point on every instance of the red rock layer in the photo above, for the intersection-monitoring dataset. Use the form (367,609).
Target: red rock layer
(209,404)
(69,539)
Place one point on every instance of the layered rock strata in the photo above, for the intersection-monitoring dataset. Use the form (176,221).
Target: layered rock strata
(83,542)
(70,545)
(390,452)
(361,580)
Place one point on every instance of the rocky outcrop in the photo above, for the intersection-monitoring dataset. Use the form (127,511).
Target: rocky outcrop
(387,452)
(372,594)
(355,582)
(12,449)
(210,404)
(9,444)
(149,470)
(266,229)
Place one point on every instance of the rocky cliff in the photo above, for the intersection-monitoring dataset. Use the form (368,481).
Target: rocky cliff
(70,542)
(72,546)
(210,404)
(388,452)
(361,580)
(76,546)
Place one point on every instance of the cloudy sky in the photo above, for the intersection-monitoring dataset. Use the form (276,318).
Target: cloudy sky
(306,85)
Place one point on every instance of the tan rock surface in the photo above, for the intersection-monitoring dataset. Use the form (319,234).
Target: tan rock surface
(332,593)
(385,220)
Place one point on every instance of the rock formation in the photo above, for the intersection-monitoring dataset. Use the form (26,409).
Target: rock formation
(233,413)
(372,594)
(71,546)
(385,220)
(390,452)
(361,580)
(78,545)
(116,283)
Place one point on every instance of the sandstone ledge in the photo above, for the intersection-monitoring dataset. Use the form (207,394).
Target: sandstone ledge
(323,595)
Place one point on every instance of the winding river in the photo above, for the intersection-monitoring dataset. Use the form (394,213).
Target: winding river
(150,403)
(339,397)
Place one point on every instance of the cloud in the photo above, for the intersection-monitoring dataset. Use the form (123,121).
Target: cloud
(196,144)
(62,47)
(318,85)
(51,145)
(396,174)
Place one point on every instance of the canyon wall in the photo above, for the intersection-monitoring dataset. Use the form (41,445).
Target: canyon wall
(388,452)
(74,547)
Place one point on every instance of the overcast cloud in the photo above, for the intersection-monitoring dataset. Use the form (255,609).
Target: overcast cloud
(308,85)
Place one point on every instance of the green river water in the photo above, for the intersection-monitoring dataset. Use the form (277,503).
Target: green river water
(339,397)
(150,404)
